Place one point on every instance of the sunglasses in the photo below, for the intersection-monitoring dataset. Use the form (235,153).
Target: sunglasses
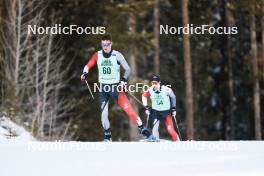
(105,44)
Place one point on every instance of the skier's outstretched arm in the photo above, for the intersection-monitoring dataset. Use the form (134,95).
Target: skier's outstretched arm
(91,63)
(145,96)
(122,61)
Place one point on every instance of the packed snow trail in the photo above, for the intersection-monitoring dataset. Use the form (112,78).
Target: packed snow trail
(241,158)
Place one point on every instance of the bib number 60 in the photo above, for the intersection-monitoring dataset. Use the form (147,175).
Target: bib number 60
(106,70)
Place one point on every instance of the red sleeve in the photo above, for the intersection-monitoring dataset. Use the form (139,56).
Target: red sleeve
(93,61)
(146,93)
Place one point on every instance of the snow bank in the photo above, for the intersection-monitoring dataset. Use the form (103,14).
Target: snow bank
(9,131)
(199,158)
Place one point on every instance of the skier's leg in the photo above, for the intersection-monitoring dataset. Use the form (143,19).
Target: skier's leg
(104,115)
(170,128)
(155,129)
(126,106)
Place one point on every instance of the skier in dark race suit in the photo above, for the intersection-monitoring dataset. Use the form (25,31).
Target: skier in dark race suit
(108,62)
(163,107)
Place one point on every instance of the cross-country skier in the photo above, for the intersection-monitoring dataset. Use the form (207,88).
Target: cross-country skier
(163,107)
(108,62)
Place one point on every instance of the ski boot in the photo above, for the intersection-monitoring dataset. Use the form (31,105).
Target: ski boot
(145,132)
(107,135)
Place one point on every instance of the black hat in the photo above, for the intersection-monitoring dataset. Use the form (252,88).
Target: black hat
(155,78)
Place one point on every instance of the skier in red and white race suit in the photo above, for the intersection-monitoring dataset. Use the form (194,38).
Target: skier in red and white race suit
(163,107)
(108,62)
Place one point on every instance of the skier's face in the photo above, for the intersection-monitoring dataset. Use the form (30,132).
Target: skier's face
(156,85)
(106,45)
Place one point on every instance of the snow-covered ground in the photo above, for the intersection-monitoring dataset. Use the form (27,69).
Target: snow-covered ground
(9,131)
(241,158)
(22,155)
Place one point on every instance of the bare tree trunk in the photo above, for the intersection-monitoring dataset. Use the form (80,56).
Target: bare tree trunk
(228,56)
(10,16)
(188,72)
(262,32)
(256,89)
(18,45)
(2,89)
(156,37)
(36,117)
(45,91)
(132,59)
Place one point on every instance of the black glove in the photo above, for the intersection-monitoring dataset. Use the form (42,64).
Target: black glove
(123,80)
(123,84)
(173,111)
(147,110)
(84,76)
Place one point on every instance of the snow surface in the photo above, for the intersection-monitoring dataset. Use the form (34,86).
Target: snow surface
(9,131)
(194,158)
(22,155)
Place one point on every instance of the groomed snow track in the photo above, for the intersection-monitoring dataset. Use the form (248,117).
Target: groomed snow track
(195,158)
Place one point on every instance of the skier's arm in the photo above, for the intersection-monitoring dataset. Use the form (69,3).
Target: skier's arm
(122,61)
(172,97)
(91,63)
(145,96)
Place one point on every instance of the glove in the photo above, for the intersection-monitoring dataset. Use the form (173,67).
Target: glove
(173,111)
(123,84)
(147,110)
(84,76)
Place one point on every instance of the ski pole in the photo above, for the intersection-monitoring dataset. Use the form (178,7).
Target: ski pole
(147,121)
(141,104)
(135,98)
(89,89)
(174,117)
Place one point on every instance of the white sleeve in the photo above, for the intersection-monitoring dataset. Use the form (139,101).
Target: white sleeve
(85,69)
(124,64)
(172,96)
(144,101)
